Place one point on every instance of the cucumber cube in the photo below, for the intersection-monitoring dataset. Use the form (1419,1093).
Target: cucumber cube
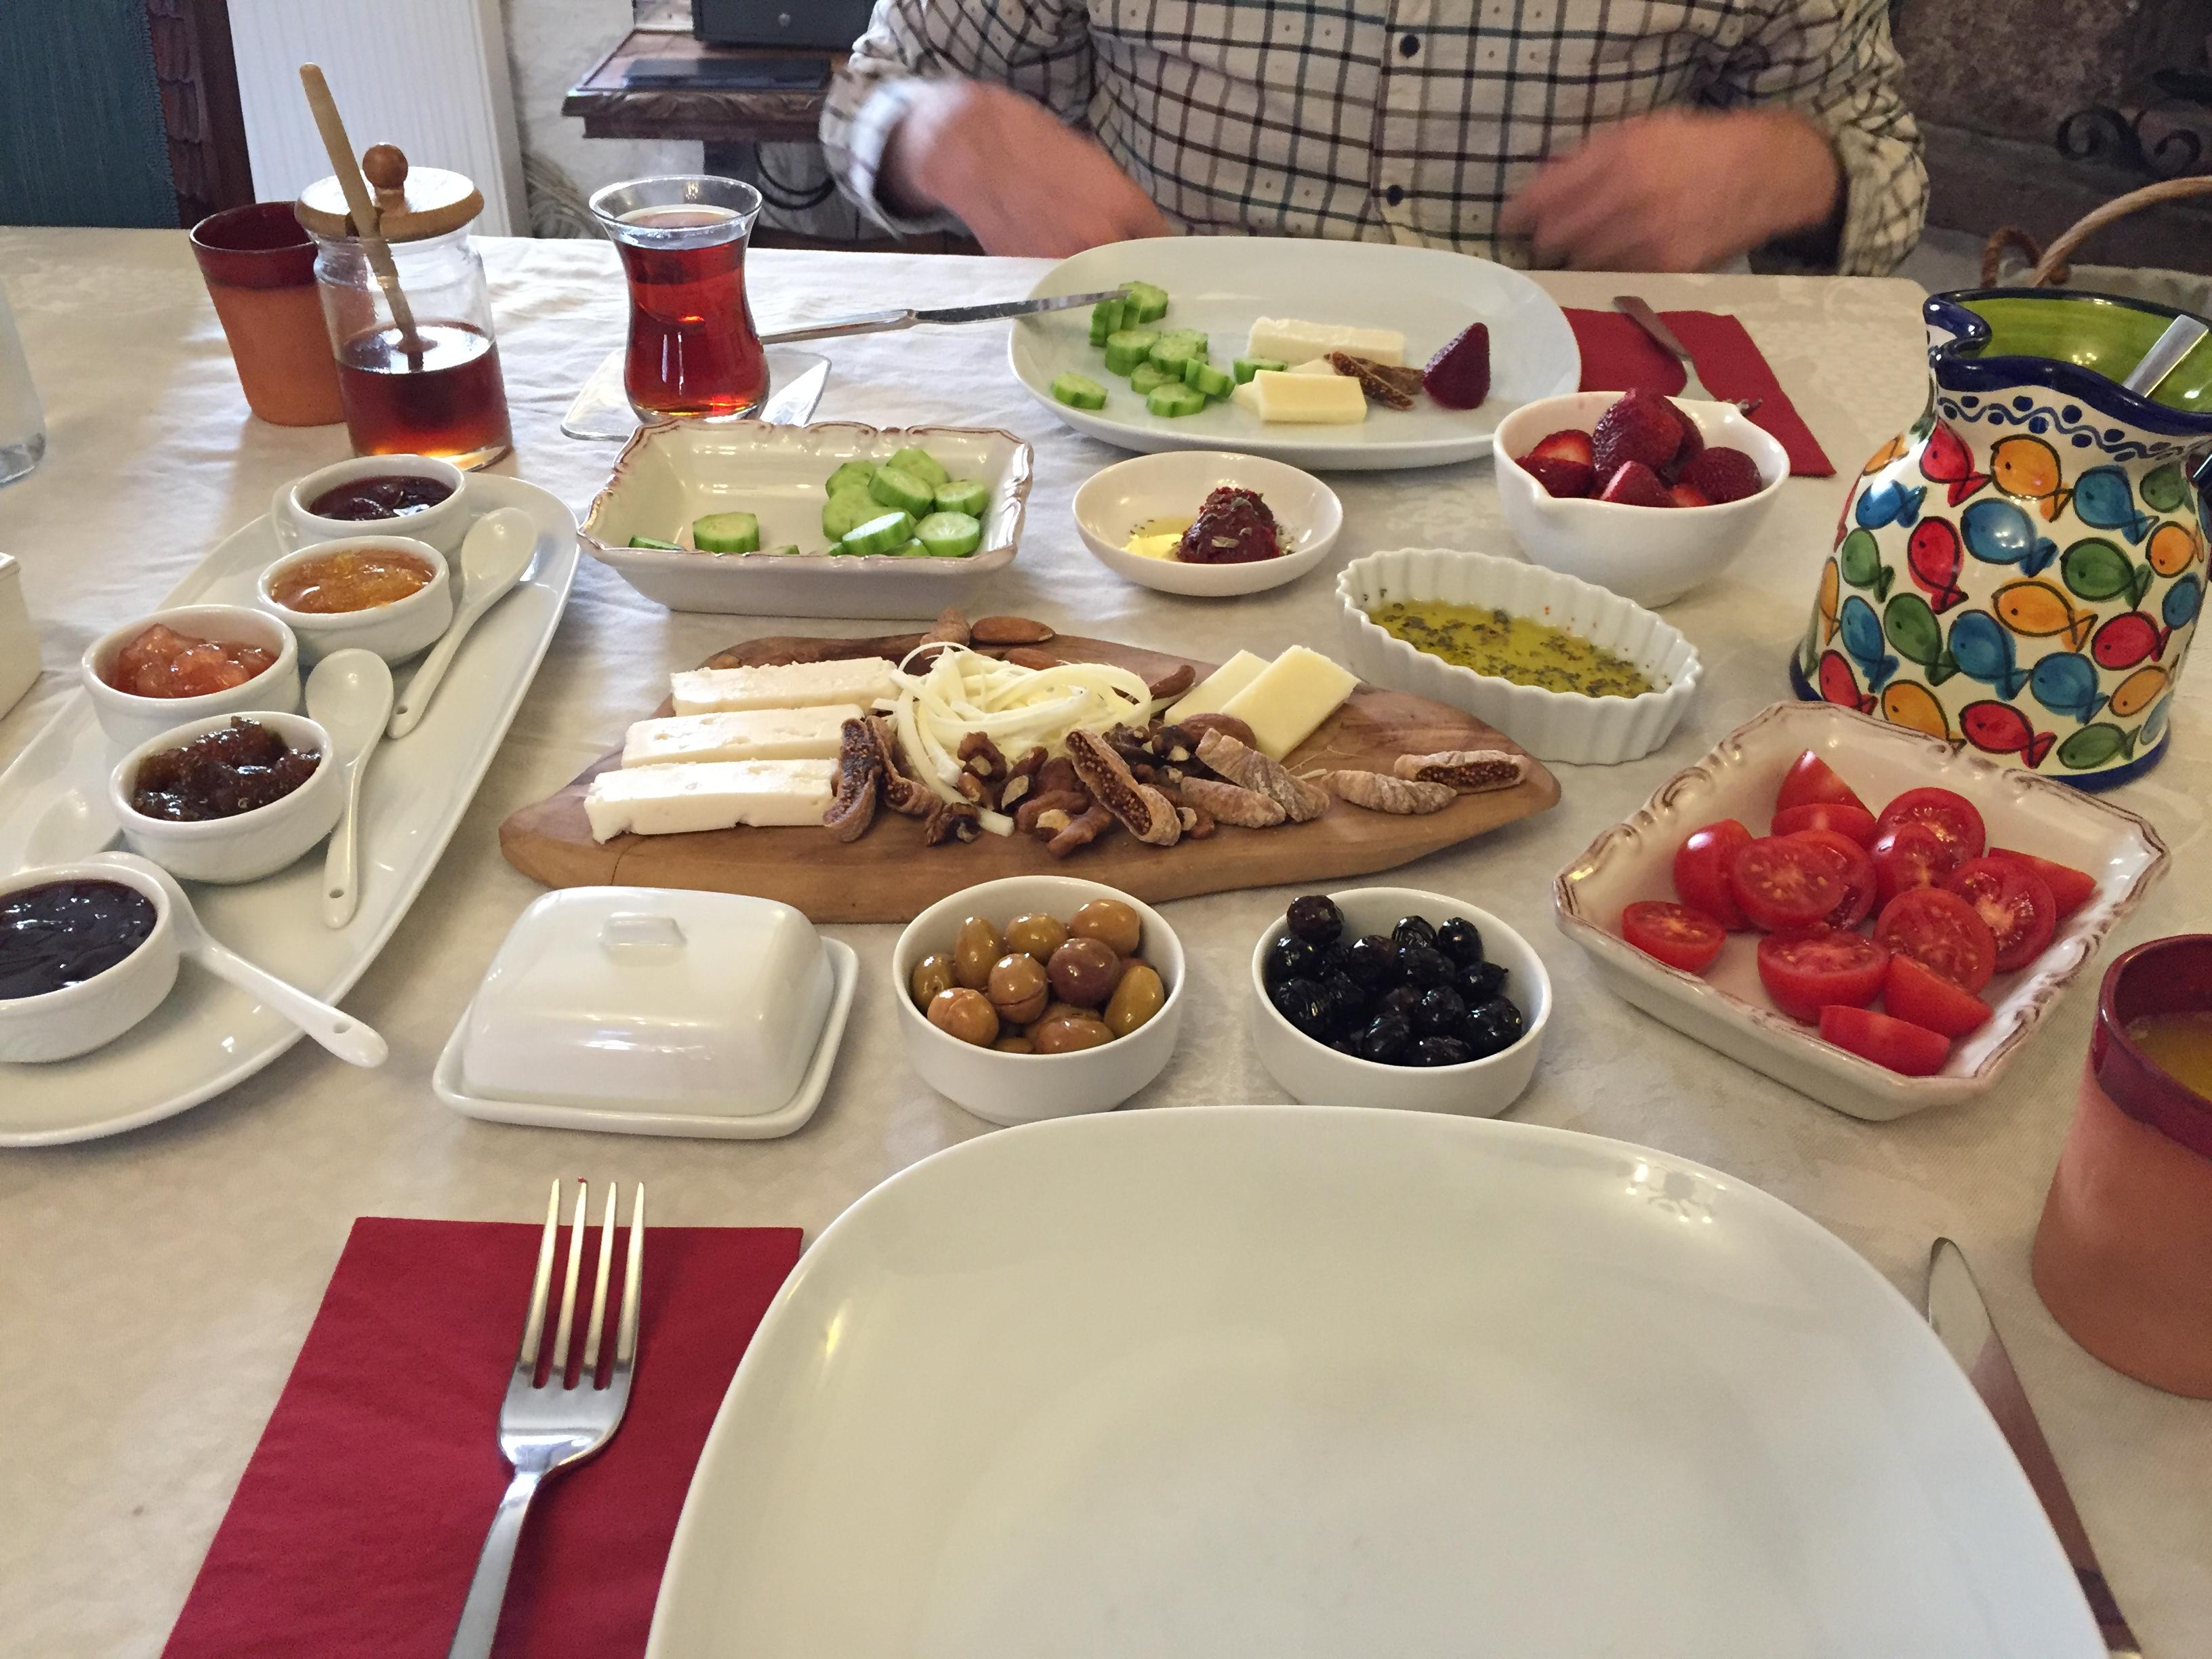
(1174,400)
(656,544)
(923,464)
(1107,316)
(969,495)
(1247,367)
(848,510)
(1078,392)
(895,487)
(1178,347)
(853,475)
(1146,304)
(1146,375)
(909,550)
(726,532)
(949,534)
(1201,376)
(1125,350)
(880,535)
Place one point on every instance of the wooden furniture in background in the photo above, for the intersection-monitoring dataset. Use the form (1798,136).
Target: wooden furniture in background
(197,78)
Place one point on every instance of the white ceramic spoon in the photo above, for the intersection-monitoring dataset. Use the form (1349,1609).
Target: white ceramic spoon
(349,695)
(494,555)
(337,1031)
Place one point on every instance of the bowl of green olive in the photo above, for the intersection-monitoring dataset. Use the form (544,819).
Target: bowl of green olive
(1038,997)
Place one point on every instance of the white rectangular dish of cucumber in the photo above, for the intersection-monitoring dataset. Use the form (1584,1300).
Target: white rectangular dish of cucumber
(907,506)
(1236,324)
(206,1035)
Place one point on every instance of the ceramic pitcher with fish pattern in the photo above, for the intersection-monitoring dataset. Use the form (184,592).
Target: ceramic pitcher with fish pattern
(2022,570)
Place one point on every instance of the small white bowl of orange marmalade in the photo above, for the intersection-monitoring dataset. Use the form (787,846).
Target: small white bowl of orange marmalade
(389,595)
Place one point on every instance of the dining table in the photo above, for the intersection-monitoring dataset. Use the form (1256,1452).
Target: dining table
(155,1286)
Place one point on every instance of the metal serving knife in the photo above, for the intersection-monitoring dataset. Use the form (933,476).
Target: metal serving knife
(887,322)
(1961,1319)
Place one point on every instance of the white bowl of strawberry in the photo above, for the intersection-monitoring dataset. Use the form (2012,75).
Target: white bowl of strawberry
(1647,496)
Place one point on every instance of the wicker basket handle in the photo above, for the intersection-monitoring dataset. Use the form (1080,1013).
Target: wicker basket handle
(2051,267)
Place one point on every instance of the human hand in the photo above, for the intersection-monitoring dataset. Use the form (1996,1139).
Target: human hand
(1020,180)
(1678,189)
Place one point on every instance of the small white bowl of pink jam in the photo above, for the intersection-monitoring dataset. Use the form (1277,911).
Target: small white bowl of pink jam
(389,595)
(190,663)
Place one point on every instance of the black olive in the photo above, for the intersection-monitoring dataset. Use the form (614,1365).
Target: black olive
(1388,1041)
(1291,958)
(1314,918)
(1347,1002)
(1371,961)
(1480,982)
(1440,1012)
(1400,1001)
(1413,930)
(1335,959)
(1305,1004)
(1462,941)
(1440,1051)
(1346,1045)
(1492,1027)
(1424,965)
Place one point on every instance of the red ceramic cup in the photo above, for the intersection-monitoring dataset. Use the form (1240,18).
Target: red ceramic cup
(2123,1253)
(260,265)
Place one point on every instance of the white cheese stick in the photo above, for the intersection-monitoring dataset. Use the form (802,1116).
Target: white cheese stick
(789,685)
(750,734)
(675,800)
(1300,689)
(1290,340)
(1280,398)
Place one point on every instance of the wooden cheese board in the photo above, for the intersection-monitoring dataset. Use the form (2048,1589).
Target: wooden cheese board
(890,875)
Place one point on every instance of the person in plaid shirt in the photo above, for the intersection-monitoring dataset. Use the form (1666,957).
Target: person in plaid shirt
(1627,134)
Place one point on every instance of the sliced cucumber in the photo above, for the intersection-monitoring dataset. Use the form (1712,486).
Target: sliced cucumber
(1247,367)
(923,464)
(894,486)
(970,496)
(1202,376)
(949,534)
(1078,392)
(789,550)
(909,550)
(847,510)
(1145,376)
(1177,346)
(880,535)
(1146,304)
(656,544)
(726,532)
(1107,316)
(1126,348)
(852,475)
(1175,399)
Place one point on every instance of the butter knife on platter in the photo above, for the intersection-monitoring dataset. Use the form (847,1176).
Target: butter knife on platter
(887,322)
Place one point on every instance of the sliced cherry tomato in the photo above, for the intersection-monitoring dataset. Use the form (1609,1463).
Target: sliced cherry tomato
(1860,885)
(2070,889)
(1813,780)
(1701,871)
(1910,855)
(1950,815)
(1899,1044)
(1939,931)
(1840,816)
(1785,885)
(1805,972)
(2014,901)
(1674,934)
(1926,998)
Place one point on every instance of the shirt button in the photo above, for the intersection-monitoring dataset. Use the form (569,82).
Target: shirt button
(1410,45)
(1395,195)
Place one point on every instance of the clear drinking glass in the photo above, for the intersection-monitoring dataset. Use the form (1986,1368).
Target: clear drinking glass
(22,420)
(693,349)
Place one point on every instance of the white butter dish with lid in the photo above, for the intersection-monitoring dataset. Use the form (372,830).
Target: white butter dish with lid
(654,1012)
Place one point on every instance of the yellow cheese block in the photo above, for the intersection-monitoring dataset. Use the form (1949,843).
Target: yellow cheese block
(1283,398)
(1211,695)
(1284,705)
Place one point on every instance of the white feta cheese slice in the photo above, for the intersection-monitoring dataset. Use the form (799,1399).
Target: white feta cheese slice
(790,685)
(1290,340)
(675,800)
(750,734)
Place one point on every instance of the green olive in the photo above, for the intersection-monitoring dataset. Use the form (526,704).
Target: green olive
(974,948)
(1037,935)
(1112,923)
(1065,1036)
(965,1014)
(1018,989)
(1135,999)
(932,973)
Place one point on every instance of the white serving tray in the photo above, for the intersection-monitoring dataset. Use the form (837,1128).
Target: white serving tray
(1258,1383)
(1726,1009)
(209,1035)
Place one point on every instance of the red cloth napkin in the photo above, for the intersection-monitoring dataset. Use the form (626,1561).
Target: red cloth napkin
(1618,356)
(354,1529)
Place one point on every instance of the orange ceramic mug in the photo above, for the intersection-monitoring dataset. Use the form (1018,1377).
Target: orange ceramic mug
(2123,1253)
(260,271)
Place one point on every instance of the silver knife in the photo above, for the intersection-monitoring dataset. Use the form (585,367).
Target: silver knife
(1961,1319)
(886,322)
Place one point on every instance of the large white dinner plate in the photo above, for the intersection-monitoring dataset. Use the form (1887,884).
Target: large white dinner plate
(1221,283)
(209,1035)
(1291,1382)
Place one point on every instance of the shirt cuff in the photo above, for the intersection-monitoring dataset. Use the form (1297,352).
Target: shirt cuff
(866,140)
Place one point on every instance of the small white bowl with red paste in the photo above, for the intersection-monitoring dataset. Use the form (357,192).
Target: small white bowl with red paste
(1223,551)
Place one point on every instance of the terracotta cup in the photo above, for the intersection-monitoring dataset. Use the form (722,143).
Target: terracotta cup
(259,266)
(2123,1253)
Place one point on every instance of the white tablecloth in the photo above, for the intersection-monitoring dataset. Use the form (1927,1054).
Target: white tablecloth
(155,1288)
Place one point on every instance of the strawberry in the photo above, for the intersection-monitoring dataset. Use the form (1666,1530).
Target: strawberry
(1567,445)
(1634,485)
(1458,377)
(1724,474)
(1694,444)
(1559,478)
(1686,493)
(1641,426)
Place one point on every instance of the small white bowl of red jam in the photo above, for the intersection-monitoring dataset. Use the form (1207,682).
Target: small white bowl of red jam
(417,496)
(87,950)
(228,799)
(389,595)
(187,663)
(1207,524)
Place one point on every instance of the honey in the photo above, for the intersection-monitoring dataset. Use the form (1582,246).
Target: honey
(1511,648)
(345,579)
(2179,1044)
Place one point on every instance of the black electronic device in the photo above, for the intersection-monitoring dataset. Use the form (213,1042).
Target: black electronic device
(806,25)
(728,73)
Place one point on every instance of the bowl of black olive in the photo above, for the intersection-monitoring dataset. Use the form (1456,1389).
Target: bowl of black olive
(1389,996)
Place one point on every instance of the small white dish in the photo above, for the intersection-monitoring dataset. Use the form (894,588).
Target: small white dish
(442,524)
(672,472)
(1725,1008)
(1650,554)
(78,1018)
(1173,484)
(128,720)
(1005,1089)
(405,628)
(18,641)
(252,844)
(1552,725)
(1317,1075)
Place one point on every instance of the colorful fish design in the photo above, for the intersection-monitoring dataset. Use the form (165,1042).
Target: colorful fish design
(1912,629)
(2096,570)
(1890,502)
(2164,489)
(2153,730)
(1945,460)
(1825,604)
(1998,728)
(2126,639)
(1932,556)
(1860,559)
(1983,651)
(2103,497)
(2094,747)
(1881,458)
(1997,532)
(1863,642)
(2138,691)
(2173,548)
(2036,610)
(2026,468)
(1907,702)
(2182,602)
(2065,682)
(1838,685)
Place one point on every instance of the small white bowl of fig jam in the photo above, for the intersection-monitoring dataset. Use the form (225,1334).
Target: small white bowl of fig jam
(232,799)
(389,595)
(417,496)
(87,951)
(185,664)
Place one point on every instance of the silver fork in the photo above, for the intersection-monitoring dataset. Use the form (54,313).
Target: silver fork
(544,1429)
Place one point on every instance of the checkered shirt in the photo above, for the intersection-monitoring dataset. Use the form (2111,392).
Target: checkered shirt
(1405,121)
